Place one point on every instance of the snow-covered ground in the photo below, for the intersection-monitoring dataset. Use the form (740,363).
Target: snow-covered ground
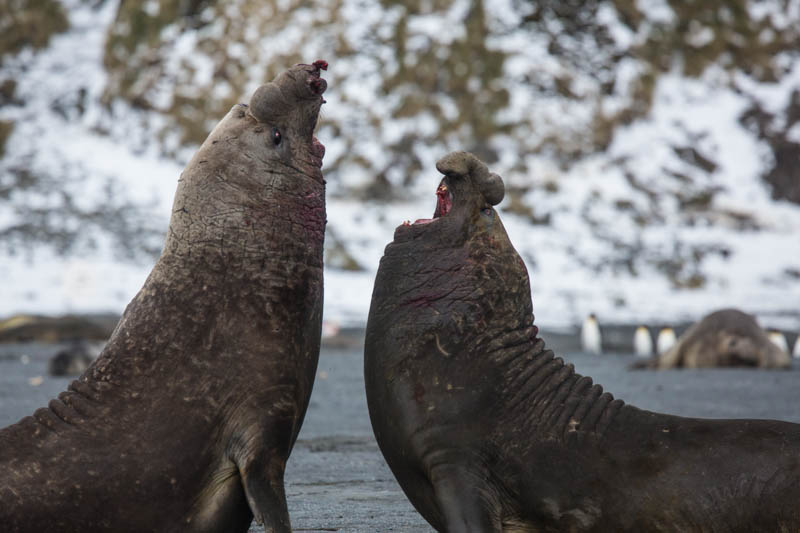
(592,257)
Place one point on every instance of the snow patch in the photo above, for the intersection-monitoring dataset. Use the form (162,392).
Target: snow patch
(595,256)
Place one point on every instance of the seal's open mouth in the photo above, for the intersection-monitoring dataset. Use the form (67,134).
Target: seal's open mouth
(444,203)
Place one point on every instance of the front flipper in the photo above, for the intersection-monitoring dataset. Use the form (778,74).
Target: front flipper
(262,433)
(465,502)
(262,478)
(260,451)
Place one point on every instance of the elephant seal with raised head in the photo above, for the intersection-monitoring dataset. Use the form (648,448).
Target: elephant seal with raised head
(186,420)
(486,430)
(727,337)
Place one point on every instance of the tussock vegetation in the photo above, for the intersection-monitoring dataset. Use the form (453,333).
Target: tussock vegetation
(29,23)
(6,127)
(534,91)
(193,60)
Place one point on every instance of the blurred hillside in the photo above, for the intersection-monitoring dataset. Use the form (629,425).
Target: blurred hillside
(650,149)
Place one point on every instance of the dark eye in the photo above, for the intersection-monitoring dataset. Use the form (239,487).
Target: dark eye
(276,136)
(487,211)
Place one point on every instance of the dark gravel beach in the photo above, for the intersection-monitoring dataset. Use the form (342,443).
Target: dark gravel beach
(336,478)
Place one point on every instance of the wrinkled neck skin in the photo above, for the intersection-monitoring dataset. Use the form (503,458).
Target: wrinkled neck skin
(233,210)
(252,199)
(453,296)
(454,283)
(448,287)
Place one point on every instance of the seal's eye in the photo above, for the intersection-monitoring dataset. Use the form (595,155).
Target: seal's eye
(487,211)
(276,136)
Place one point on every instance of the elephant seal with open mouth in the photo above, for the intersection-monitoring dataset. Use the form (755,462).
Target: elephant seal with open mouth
(486,430)
(186,420)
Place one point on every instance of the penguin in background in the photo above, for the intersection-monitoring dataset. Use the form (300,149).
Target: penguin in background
(642,342)
(666,339)
(778,339)
(591,339)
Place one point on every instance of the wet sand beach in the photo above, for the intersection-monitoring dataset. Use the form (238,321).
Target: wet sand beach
(337,480)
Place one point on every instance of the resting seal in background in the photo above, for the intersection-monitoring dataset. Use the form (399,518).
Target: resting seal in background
(727,337)
(72,360)
(487,431)
(187,418)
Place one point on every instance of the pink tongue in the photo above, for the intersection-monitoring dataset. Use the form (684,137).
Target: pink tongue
(424,220)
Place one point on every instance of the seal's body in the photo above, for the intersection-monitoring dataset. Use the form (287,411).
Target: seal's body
(486,430)
(727,337)
(187,418)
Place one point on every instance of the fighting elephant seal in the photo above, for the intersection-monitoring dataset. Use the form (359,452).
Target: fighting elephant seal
(187,418)
(486,430)
(727,337)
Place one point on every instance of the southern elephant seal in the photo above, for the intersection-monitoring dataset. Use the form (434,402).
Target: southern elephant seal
(727,337)
(186,420)
(486,430)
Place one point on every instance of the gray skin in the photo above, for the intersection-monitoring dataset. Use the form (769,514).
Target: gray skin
(486,430)
(186,420)
(727,337)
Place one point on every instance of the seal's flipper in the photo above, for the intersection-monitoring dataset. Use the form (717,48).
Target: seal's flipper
(260,445)
(263,486)
(463,504)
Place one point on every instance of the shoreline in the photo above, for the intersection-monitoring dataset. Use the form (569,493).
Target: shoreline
(58,329)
